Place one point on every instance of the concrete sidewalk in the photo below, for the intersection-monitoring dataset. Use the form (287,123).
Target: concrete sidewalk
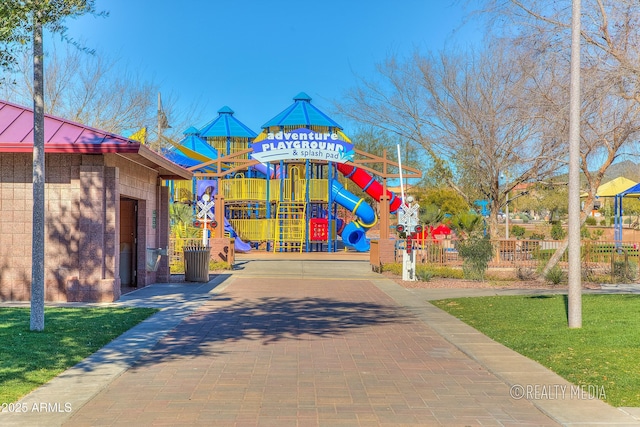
(306,342)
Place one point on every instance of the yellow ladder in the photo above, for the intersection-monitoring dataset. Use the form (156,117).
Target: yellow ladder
(289,226)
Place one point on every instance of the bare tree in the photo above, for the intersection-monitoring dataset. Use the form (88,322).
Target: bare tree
(610,76)
(471,113)
(96,91)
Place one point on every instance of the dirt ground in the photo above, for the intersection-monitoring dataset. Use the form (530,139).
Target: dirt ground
(503,283)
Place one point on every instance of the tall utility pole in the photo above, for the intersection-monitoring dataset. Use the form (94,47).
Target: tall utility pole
(37,246)
(575,285)
(163,123)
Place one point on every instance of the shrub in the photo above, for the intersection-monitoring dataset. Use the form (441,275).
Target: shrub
(518,231)
(447,272)
(178,266)
(590,220)
(624,271)
(218,265)
(394,268)
(557,232)
(476,252)
(536,236)
(423,274)
(588,273)
(555,275)
(525,273)
(603,223)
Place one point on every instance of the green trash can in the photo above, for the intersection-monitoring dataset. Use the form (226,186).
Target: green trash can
(196,263)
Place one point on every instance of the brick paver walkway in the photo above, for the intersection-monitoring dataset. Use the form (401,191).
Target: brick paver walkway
(292,352)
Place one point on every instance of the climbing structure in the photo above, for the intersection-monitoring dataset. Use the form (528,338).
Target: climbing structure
(289,188)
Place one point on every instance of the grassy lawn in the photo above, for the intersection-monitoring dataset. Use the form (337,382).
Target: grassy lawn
(604,353)
(29,359)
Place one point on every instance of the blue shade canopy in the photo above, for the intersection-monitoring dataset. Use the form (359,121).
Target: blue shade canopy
(199,145)
(191,131)
(226,126)
(177,157)
(302,113)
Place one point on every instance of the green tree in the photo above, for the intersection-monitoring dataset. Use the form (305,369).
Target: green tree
(22,24)
(467,224)
(430,215)
(475,249)
(446,199)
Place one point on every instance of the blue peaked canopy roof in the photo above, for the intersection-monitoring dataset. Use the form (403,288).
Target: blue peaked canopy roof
(225,125)
(194,143)
(302,113)
(173,154)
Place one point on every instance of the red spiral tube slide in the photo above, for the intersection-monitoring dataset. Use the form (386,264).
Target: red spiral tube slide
(368,183)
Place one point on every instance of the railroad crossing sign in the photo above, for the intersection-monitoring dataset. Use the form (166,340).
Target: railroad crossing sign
(205,209)
(408,217)
(205,213)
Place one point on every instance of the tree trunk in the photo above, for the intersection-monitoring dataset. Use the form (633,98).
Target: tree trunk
(555,258)
(37,249)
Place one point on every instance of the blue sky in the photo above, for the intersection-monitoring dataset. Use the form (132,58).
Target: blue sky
(256,55)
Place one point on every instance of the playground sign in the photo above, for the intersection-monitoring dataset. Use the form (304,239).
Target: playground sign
(302,144)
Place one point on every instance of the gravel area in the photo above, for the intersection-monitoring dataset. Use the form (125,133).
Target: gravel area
(443,283)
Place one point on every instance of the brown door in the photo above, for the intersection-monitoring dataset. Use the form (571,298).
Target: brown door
(128,242)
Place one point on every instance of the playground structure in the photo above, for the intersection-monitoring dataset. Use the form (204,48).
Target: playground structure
(290,188)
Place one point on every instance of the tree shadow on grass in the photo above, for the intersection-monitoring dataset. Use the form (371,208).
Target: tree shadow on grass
(268,320)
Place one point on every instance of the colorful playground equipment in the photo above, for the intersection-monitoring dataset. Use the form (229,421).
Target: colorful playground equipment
(289,188)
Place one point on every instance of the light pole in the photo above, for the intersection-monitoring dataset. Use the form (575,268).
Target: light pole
(575,286)
(506,220)
(506,208)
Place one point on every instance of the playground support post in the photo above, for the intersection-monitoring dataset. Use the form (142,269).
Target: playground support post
(219,214)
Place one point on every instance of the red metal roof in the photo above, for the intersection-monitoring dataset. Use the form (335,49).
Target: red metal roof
(64,136)
(60,135)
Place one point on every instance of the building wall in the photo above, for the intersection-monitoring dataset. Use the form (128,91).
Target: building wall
(81,224)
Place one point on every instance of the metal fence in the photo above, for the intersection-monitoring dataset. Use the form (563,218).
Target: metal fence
(509,253)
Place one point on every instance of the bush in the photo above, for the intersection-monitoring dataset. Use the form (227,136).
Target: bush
(591,220)
(218,265)
(447,272)
(476,252)
(394,268)
(603,223)
(588,273)
(425,271)
(178,267)
(536,236)
(518,231)
(555,275)
(557,232)
(624,271)
(525,273)
(423,274)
